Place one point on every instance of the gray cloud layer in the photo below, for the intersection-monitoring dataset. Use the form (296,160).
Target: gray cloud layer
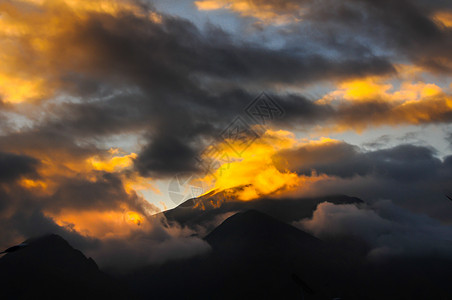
(387,229)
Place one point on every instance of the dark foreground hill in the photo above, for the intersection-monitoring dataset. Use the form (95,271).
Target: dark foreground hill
(49,268)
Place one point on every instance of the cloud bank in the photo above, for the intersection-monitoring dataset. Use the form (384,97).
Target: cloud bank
(388,229)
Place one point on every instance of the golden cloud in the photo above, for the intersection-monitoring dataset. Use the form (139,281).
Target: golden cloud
(118,219)
(274,12)
(374,88)
(375,101)
(101,224)
(56,166)
(37,42)
(443,17)
(255,173)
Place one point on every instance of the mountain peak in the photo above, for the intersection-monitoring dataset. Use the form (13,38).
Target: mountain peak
(49,267)
(49,240)
(239,229)
(53,251)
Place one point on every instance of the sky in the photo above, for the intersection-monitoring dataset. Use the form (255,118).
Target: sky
(113,111)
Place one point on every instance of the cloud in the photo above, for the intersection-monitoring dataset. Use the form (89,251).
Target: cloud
(252,168)
(413,176)
(268,11)
(387,228)
(157,246)
(334,158)
(409,28)
(13,166)
(166,155)
(445,18)
(449,138)
(370,102)
(415,30)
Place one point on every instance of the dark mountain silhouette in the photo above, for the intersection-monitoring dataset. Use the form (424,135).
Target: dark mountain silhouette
(236,232)
(49,268)
(276,253)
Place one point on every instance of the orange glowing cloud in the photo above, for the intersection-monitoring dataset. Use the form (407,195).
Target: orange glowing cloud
(101,224)
(374,88)
(113,163)
(35,37)
(55,166)
(254,173)
(116,161)
(267,12)
(445,18)
(375,101)
(124,214)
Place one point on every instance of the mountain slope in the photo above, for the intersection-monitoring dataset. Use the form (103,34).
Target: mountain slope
(49,268)
(237,231)
(282,260)
(253,256)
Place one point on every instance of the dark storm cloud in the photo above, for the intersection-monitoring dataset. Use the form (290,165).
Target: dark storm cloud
(172,58)
(13,166)
(406,27)
(406,163)
(166,155)
(301,110)
(107,192)
(45,141)
(411,176)
(405,30)
(359,115)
